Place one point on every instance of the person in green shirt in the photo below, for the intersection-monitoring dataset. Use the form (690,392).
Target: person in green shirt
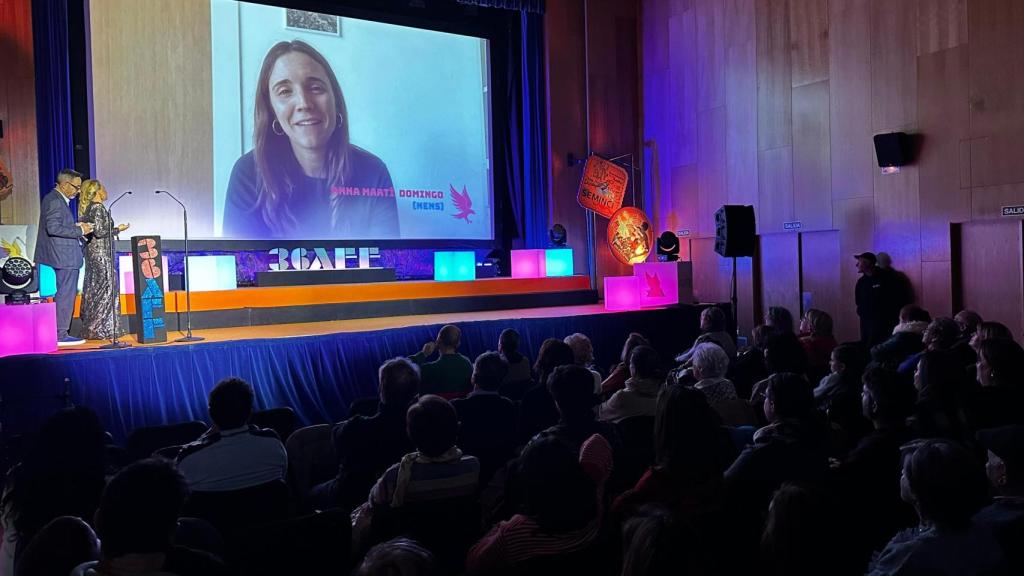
(449,375)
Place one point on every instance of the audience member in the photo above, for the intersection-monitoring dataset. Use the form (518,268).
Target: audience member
(449,375)
(941,335)
(361,462)
(60,546)
(640,395)
(866,479)
(436,474)
(520,374)
(939,412)
(782,354)
(575,404)
(998,397)
(537,410)
(710,365)
(990,331)
(780,319)
(563,490)
(798,537)
(63,475)
(847,367)
(946,486)
(619,373)
(487,421)
(398,557)
(714,329)
(790,448)
(818,342)
(654,543)
(583,355)
(1005,470)
(749,367)
(967,321)
(136,522)
(907,338)
(691,451)
(232,454)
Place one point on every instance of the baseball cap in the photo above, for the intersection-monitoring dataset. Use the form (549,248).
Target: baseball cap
(870,256)
(1007,442)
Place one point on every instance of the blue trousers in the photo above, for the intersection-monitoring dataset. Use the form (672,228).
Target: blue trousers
(67,289)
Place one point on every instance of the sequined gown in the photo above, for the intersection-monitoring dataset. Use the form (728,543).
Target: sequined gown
(99,291)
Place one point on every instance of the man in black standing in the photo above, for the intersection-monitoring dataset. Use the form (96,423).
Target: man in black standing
(879,299)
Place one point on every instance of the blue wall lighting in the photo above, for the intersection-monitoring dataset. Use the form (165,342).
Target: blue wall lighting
(558,261)
(454,266)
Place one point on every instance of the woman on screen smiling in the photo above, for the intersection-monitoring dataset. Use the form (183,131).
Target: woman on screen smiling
(304,178)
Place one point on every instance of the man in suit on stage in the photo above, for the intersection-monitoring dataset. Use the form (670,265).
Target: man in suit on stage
(59,246)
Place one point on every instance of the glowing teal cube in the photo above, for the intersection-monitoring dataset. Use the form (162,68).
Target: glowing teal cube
(558,262)
(454,266)
(47,281)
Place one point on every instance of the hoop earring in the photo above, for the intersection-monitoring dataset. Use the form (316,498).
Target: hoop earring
(275,126)
(341,119)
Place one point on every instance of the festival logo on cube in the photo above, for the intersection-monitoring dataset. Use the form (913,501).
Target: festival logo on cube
(630,236)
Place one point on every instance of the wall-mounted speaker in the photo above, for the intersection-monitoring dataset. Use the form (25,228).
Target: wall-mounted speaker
(735,230)
(893,149)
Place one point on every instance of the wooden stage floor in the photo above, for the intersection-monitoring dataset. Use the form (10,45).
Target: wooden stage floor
(356,325)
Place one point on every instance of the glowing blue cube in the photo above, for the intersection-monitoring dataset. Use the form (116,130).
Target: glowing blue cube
(558,262)
(454,266)
(47,281)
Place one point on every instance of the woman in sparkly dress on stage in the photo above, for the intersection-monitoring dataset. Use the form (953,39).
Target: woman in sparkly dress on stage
(99,293)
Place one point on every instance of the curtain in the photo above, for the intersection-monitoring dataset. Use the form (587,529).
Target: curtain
(526,155)
(53,90)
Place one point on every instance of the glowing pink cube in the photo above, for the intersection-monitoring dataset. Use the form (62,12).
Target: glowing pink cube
(529,264)
(28,328)
(658,283)
(621,293)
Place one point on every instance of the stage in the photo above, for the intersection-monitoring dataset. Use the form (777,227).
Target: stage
(316,368)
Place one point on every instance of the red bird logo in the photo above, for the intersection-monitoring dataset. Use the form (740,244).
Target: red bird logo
(463,203)
(654,286)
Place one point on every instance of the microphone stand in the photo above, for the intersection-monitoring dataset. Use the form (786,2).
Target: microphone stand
(188,285)
(115,325)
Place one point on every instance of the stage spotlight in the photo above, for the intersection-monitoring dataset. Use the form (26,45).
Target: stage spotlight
(668,247)
(557,235)
(18,279)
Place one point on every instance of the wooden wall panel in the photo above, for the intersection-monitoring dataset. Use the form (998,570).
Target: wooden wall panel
(897,220)
(775,189)
(853,157)
(711,42)
(567,128)
(995,159)
(997,94)
(893,64)
(944,119)
(740,115)
(685,194)
(710,167)
(986,202)
(935,293)
(780,271)
(992,276)
(812,166)
(19,147)
(682,49)
(808,29)
(774,88)
(941,24)
(819,272)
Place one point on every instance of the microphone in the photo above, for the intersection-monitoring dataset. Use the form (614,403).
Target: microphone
(116,200)
(172,197)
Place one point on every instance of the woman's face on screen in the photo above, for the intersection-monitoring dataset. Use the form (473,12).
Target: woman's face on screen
(303,102)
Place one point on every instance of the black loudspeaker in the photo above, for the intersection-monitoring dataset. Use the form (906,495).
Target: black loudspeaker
(892,149)
(734,231)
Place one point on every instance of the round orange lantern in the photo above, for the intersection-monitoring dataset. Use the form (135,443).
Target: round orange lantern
(630,236)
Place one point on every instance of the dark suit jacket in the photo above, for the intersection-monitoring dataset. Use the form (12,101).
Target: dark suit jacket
(59,241)
(487,430)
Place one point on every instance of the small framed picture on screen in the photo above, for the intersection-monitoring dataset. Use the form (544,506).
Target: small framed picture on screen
(307,21)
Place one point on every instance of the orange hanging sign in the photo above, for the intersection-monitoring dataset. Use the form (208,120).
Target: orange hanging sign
(603,186)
